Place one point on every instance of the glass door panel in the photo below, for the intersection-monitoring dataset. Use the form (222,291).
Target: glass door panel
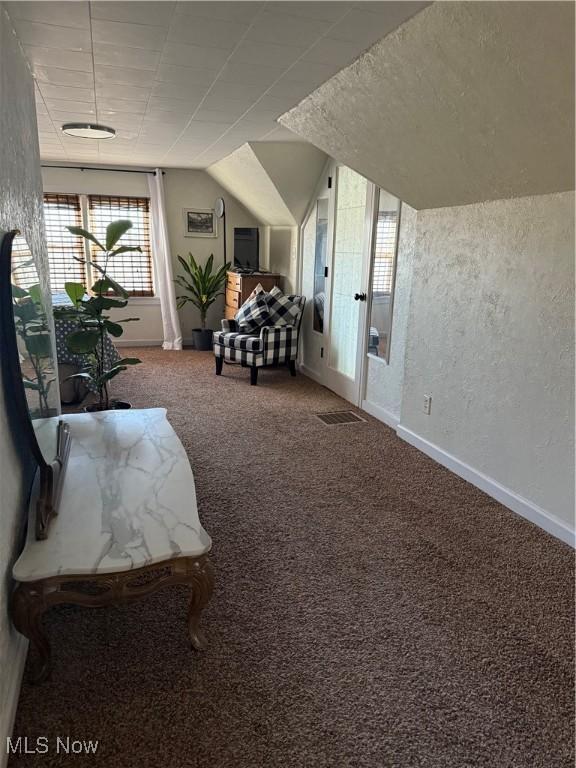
(347,273)
(383,275)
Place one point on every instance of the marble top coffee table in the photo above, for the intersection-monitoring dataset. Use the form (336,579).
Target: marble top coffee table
(127,525)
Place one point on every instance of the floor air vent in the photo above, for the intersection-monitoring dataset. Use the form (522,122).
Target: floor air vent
(339,417)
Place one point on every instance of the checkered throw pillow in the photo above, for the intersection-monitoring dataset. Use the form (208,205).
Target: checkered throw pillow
(254,313)
(282,310)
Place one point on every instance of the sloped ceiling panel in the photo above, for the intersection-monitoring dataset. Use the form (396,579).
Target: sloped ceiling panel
(465,102)
(273,180)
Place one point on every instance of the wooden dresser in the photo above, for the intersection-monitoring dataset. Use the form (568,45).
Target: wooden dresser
(239,287)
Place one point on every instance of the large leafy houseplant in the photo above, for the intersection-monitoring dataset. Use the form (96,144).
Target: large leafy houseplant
(37,363)
(90,310)
(201,286)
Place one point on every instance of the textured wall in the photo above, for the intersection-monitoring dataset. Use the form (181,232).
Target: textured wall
(491,338)
(20,208)
(384,382)
(465,102)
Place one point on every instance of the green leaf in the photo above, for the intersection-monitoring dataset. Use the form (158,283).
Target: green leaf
(35,293)
(103,302)
(39,345)
(80,342)
(87,235)
(86,376)
(75,292)
(128,320)
(115,230)
(126,249)
(113,328)
(31,384)
(114,286)
(18,293)
(127,361)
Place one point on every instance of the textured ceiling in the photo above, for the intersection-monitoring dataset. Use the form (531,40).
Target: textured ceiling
(466,102)
(185,83)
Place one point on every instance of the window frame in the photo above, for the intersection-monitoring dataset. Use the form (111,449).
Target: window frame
(91,274)
(385,360)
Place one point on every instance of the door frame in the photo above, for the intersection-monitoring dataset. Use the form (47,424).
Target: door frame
(349,389)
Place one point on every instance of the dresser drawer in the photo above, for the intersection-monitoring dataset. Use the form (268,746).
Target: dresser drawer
(233,281)
(233,298)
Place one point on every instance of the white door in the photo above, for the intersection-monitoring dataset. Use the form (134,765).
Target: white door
(347,283)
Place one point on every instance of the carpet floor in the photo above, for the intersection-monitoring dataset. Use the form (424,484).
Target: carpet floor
(371,609)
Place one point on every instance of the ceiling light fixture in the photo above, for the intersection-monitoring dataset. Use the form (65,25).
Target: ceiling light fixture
(88,131)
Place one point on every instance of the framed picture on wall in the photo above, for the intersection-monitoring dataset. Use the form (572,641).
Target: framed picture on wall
(200,222)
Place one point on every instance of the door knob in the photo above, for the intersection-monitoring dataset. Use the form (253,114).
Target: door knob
(360,297)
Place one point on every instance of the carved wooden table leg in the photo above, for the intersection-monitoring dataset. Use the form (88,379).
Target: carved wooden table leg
(201,577)
(27,608)
(31,599)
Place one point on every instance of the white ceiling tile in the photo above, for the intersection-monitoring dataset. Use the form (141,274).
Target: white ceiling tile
(289,92)
(279,28)
(182,106)
(329,11)
(130,35)
(124,76)
(189,91)
(168,73)
(111,106)
(120,91)
(216,102)
(156,14)
(44,123)
(281,134)
(265,54)
(239,91)
(248,74)
(337,53)
(69,105)
(128,120)
(308,72)
(50,36)
(223,115)
(200,129)
(194,30)
(228,11)
(53,57)
(63,14)
(58,76)
(117,55)
(59,117)
(66,92)
(194,56)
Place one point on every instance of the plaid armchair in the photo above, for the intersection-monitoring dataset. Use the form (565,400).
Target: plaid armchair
(271,345)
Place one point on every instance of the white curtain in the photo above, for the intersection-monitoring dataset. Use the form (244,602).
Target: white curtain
(164,277)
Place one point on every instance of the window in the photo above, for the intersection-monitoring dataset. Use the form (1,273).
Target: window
(61,211)
(383,271)
(384,248)
(132,270)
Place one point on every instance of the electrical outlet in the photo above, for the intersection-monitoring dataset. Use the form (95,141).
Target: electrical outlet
(427,404)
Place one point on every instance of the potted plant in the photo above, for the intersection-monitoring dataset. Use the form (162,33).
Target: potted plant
(90,311)
(202,287)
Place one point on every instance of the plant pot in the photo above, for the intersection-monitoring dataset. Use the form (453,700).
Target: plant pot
(202,338)
(115,405)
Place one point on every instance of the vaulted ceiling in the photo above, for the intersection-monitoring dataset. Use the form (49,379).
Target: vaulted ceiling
(465,102)
(185,83)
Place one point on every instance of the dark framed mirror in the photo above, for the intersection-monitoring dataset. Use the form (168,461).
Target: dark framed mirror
(29,372)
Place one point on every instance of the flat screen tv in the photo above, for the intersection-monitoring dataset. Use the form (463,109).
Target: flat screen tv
(246,248)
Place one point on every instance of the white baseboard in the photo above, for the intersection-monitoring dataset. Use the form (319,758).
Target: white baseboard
(138,343)
(380,413)
(13,670)
(509,498)
(310,373)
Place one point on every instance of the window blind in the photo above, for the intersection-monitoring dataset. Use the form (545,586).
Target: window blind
(61,211)
(384,252)
(132,270)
